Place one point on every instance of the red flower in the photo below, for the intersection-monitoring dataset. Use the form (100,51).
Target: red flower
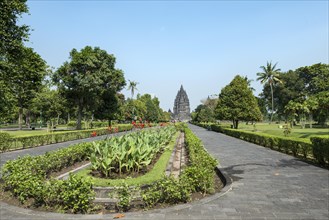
(94,134)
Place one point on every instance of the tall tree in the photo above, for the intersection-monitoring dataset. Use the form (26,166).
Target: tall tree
(132,87)
(236,102)
(25,80)
(269,75)
(12,34)
(86,77)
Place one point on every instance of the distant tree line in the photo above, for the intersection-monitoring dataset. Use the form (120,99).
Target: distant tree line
(296,96)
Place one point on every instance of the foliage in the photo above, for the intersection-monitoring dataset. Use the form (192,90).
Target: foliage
(167,190)
(151,176)
(12,34)
(236,102)
(321,149)
(25,79)
(125,197)
(86,77)
(26,179)
(4,141)
(286,130)
(198,176)
(56,137)
(270,75)
(290,145)
(129,153)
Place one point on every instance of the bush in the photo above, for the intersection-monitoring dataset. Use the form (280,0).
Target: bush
(318,147)
(5,140)
(198,176)
(26,178)
(56,137)
(321,149)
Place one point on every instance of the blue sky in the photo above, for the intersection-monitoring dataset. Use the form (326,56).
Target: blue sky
(200,44)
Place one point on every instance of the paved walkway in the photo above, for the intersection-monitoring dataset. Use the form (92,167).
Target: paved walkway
(265,185)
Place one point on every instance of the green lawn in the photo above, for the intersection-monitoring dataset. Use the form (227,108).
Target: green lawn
(274,129)
(26,132)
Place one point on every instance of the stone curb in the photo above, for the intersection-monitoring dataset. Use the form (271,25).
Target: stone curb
(51,215)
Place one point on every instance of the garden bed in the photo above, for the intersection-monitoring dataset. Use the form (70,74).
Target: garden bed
(26,179)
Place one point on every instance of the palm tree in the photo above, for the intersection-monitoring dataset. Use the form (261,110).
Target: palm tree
(132,87)
(269,75)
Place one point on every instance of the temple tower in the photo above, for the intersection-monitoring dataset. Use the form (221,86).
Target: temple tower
(182,106)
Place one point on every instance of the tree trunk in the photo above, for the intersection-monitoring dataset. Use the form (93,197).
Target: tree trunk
(68,117)
(311,119)
(272,103)
(237,124)
(58,118)
(28,118)
(20,118)
(79,117)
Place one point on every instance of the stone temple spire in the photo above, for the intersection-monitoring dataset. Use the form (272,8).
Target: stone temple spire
(182,106)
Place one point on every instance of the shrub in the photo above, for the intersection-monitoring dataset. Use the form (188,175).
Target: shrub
(26,179)
(56,137)
(198,176)
(5,140)
(321,149)
(318,147)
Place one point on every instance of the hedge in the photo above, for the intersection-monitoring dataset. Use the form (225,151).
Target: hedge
(26,179)
(317,147)
(321,149)
(198,176)
(55,137)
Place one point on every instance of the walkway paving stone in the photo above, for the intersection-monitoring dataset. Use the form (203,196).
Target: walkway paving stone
(265,185)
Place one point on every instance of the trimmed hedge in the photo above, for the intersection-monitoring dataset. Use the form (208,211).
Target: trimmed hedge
(56,137)
(26,178)
(321,149)
(198,176)
(317,147)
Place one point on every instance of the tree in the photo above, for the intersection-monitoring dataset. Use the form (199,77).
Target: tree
(236,102)
(291,88)
(269,75)
(315,78)
(25,80)
(12,34)
(86,77)
(132,87)
(50,104)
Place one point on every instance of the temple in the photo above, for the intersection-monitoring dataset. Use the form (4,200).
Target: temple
(181,106)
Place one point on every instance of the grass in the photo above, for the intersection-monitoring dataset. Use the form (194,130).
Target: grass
(24,133)
(274,129)
(155,174)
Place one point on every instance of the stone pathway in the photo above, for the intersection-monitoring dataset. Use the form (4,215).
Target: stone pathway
(262,184)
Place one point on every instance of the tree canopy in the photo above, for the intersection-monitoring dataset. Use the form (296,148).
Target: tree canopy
(86,77)
(236,102)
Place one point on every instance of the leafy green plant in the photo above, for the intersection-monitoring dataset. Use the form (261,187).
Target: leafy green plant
(125,197)
(129,153)
(5,141)
(287,130)
(56,137)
